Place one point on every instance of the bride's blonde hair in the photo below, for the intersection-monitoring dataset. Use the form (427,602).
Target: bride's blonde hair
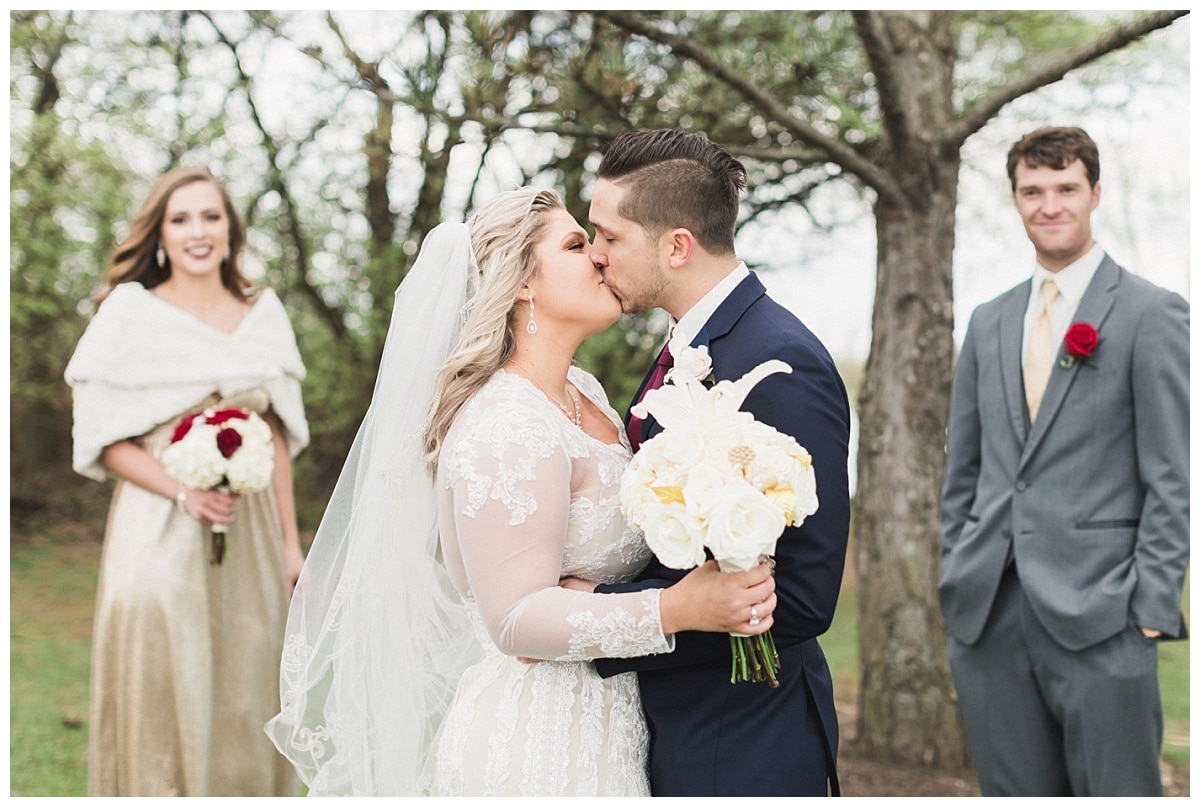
(503,235)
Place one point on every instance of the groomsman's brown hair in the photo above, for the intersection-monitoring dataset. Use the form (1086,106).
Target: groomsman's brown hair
(677,179)
(1055,147)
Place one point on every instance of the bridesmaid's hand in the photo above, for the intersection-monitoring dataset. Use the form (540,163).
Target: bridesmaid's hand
(293,562)
(210,506)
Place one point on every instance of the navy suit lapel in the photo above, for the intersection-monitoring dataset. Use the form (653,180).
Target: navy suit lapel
(1093,309)
(731,310)
(1012,331)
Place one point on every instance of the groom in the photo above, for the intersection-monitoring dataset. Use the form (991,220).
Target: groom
(664,209)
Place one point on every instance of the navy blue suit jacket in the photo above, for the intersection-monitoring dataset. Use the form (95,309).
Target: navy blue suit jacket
(710,737)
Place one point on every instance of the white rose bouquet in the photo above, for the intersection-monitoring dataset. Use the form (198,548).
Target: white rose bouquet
(717,481)
(229,449)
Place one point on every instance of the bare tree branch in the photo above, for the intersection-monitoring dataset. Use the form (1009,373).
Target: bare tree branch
(331,316)
(1053,71)
(836,151)
(49,91)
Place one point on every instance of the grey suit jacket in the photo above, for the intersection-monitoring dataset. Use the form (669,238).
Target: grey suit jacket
(1092,500)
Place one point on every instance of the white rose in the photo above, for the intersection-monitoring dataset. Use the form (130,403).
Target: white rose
(638,501)
(694,361)
(250,468)
(253,429)
(771,464)
(195,461)
(743,525)
(673,454)
(675,539)
(703,484)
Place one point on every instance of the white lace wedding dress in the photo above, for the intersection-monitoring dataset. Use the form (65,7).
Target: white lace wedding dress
(515,478)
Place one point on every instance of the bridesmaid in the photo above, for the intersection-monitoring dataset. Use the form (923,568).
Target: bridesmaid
(185,653)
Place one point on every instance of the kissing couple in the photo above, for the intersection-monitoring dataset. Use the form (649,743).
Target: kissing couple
(476,617)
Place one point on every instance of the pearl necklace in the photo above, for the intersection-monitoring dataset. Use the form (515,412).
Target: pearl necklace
(577,418)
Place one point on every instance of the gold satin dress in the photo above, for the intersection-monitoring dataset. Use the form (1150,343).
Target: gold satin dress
(185,654)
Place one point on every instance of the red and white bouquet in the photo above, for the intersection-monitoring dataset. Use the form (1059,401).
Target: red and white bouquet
(716,480)
(229,449)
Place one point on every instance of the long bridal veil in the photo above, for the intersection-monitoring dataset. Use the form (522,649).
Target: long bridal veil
(376,635)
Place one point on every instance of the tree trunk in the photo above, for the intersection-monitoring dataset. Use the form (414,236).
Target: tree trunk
(907,708)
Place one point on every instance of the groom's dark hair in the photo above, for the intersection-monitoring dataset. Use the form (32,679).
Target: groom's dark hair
(674,179)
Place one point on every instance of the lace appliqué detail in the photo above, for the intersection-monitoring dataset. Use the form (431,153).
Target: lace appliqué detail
(618,633)
(495,452)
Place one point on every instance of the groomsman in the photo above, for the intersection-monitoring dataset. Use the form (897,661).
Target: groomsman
(1065,510)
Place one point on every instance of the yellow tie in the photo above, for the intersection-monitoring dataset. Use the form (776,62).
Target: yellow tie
(1040,352)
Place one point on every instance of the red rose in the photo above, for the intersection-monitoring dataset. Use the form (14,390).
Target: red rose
(184,427)
(222,415)
(1081,341)
(228,441)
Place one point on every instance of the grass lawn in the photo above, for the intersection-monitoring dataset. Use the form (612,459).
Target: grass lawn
(52,587)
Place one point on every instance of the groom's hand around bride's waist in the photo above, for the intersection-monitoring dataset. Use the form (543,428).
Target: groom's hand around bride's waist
(573,584)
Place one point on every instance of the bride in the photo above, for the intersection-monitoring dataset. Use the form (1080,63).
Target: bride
(460,666)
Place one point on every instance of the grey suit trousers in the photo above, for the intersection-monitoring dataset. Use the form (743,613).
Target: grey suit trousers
(1046,721)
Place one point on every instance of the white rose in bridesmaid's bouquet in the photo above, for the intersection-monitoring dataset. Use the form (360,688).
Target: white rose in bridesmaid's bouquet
(250,467)
(199,464)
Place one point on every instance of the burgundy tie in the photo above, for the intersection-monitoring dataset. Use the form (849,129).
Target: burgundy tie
(665,362)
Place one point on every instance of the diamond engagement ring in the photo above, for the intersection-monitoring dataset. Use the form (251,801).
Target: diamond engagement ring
(754,619)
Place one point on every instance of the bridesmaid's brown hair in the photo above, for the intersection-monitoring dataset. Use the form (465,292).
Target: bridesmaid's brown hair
(135,258)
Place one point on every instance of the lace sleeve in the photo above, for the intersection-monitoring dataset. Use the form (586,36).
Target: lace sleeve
(510,490)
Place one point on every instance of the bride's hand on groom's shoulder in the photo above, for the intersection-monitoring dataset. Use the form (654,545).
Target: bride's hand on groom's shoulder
(708,599)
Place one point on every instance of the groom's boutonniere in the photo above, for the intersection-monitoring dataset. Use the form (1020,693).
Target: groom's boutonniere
(1082,341)
(695,362)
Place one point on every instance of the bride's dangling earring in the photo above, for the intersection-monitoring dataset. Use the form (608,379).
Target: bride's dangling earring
(532,326)
(160,256)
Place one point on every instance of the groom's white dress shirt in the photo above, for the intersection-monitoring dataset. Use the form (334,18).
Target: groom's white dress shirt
(689,324)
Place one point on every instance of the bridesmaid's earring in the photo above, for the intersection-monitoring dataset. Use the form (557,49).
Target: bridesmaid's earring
(532,326)
(160,256)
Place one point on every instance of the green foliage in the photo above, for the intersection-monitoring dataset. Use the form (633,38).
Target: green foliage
(58,247)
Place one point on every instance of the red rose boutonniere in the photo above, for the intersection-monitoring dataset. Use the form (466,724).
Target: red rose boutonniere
(1082,341)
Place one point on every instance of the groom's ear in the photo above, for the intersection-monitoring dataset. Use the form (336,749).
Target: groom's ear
(680,245)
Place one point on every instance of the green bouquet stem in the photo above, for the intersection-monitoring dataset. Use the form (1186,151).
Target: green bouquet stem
(754,659)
